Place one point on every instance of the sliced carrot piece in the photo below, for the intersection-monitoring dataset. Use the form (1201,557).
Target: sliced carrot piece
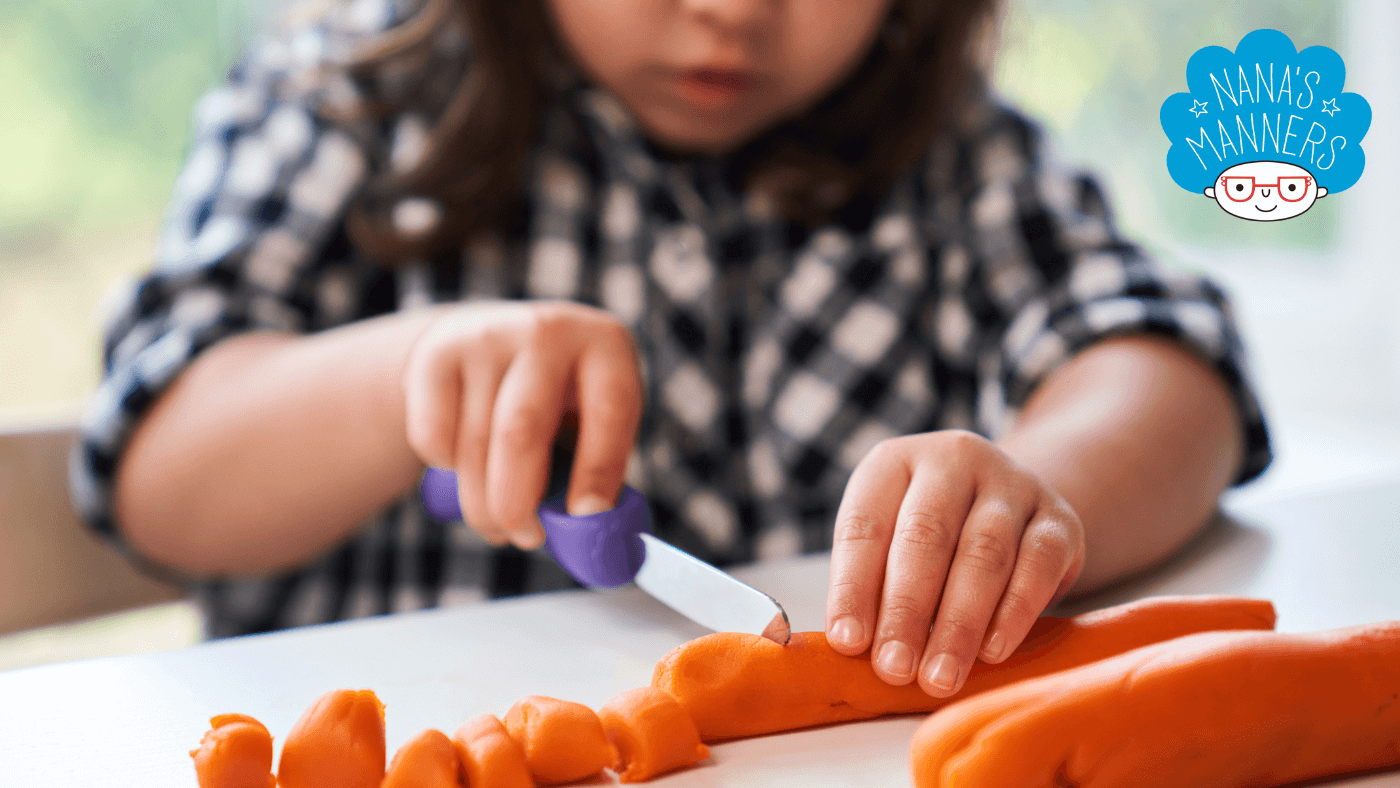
(1210,710)
(339,742)
(428,760)
(235,753)
(490,758)
(734,685)
(563,741)
(652,734)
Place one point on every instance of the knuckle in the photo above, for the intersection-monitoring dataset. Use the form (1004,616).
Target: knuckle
(523,430)
(927,532)
(1050,546)
(988,553)
(539,326)
(596,472)
(889,451)
(960,633)
(859,527)
(845,595)
(900,607)
(965,441)
(613,333)
(1015,605)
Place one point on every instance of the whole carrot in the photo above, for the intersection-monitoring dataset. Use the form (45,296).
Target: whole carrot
(652,733)
(235,753)
(425,761)
(734,685)
(490,758)
(339,741)
(1211,710)
(563,741)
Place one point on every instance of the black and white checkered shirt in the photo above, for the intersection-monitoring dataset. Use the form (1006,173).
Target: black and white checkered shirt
(773,357)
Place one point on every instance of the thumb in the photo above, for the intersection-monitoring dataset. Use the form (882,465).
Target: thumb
(588,503)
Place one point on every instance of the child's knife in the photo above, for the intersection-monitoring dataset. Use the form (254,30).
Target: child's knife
(615,547)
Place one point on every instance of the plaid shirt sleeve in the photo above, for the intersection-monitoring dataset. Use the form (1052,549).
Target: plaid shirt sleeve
(1063,278)
(253,241)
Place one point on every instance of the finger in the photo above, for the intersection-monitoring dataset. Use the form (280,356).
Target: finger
(864,526)
(981,568)
(931,520)
(525,419)
(1048,562)
(609,392)
(482,379)
(432,391)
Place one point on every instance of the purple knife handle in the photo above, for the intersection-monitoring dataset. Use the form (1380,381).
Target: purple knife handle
(439,494)
(602,549)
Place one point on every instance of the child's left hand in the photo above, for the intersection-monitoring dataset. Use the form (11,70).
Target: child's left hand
(947,522)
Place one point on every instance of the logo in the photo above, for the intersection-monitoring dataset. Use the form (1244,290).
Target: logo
(1266,130)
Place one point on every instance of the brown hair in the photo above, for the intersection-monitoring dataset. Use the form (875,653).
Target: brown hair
(920,73)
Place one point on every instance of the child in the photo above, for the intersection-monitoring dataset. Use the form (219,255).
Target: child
(786,266)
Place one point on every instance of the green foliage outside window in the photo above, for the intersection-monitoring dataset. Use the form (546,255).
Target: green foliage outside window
(1096,73)
(97,94)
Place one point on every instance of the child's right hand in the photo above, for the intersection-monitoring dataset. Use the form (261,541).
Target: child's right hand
(485,389)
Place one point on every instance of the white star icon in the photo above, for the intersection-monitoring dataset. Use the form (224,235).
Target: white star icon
(1198,107)
(1333,110)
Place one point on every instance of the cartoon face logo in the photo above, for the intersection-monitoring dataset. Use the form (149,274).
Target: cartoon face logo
(1265,191)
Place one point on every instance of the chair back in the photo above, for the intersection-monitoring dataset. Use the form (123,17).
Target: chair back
(52,569)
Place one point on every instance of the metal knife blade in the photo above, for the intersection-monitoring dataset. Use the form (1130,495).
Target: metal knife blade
(606,549)
(709,596)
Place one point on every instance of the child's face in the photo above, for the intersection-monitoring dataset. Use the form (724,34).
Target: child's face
(708,75)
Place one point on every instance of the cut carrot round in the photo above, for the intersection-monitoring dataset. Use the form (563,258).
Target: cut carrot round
(428,760)
(563,741)
(735,685)
(652,734)
(235,753)
(1210,710)
(339,741)
(490,758)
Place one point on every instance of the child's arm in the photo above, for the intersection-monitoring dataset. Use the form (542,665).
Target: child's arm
(1119,458)
(270,448)
(1141,437)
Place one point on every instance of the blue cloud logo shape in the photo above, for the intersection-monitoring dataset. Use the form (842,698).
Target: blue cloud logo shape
(1266,101)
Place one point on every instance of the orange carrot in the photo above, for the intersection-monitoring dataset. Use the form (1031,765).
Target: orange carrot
(490,758)
(1210,710)
(563,741)
(652,733)
(339,741)
(426,761)
(735,685)
(235,753)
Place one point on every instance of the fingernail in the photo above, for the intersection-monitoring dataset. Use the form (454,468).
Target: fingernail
(589,503)
(992,650)
(896,659)
(942,674)
(530,538)
(846,632)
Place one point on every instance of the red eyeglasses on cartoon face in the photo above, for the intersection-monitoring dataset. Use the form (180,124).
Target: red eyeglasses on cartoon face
(1266,191)
(1240,188)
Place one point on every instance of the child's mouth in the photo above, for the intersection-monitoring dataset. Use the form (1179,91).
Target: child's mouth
(710,88)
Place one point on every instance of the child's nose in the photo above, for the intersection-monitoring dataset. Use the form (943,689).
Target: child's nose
(736,14)
(1266,192)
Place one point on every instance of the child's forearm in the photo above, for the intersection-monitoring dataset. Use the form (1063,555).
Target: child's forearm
(1141,438)
(270,449)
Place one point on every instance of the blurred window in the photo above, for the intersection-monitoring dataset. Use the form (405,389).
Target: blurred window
(98,94)
(1096,72)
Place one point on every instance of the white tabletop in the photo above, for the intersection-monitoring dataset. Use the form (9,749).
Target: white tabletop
(1325,559)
